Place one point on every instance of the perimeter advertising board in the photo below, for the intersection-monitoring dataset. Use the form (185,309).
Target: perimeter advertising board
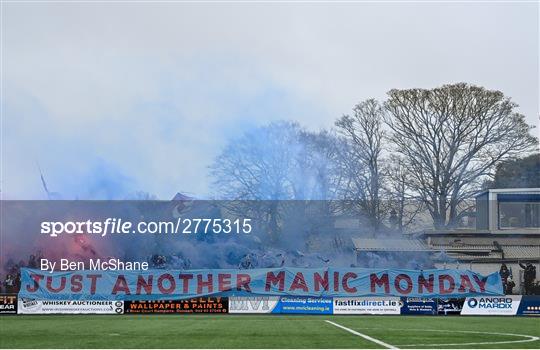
(367,305)
(254,305)
(501,306)
(304,305)
(529,306)
(8,304)
(419,306)
(203,305)
(33,306)
(450,306)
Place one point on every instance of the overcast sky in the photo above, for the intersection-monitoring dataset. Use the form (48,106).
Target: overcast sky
(115,98)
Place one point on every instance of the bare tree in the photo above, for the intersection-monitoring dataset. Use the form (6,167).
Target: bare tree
(451,138)
(364,133)
(404,207)
(318,165)
(278,162)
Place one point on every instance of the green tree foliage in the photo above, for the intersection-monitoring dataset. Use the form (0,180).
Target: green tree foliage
(517,173)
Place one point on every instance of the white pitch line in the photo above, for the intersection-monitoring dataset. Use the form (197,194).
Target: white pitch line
(530,338)
(367,337)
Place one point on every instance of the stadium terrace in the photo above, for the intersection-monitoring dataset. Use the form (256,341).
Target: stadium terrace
(164,284)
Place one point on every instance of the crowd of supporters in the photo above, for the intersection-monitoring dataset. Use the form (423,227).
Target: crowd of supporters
(530,285)
(11,283)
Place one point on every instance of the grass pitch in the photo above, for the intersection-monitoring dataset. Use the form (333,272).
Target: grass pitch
(268,331)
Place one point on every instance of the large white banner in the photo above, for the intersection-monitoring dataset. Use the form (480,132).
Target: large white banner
(367,305)
(504,305)
(32,306)
(253,305)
